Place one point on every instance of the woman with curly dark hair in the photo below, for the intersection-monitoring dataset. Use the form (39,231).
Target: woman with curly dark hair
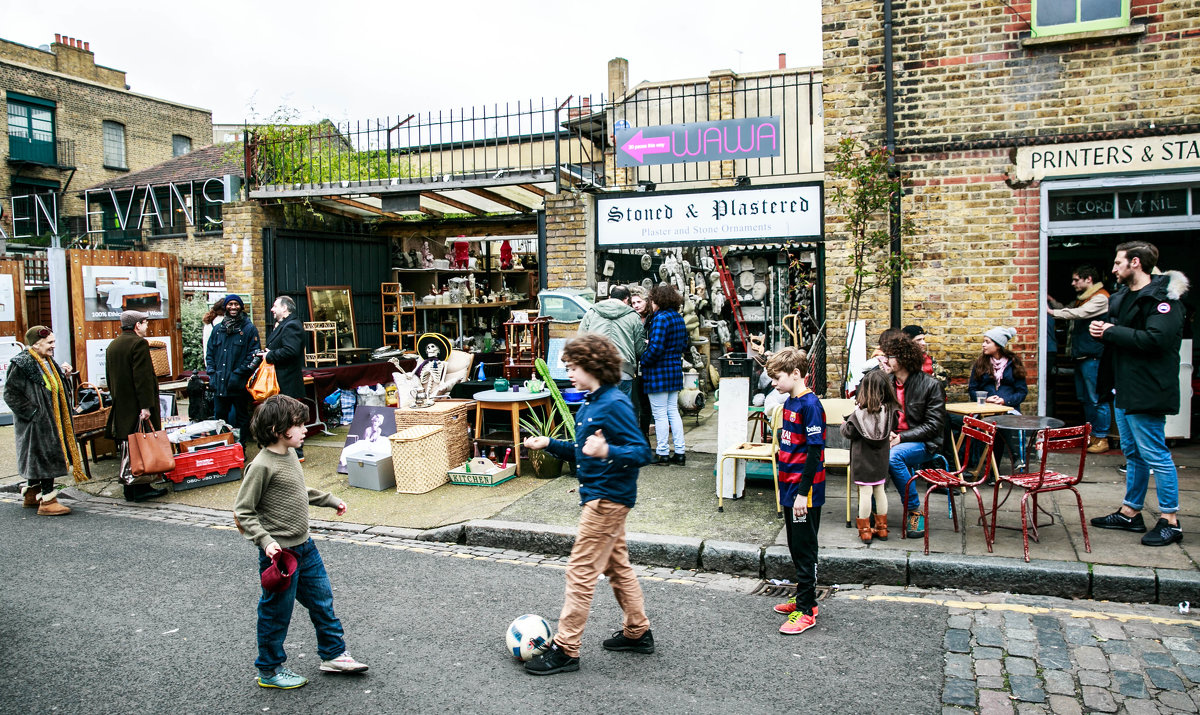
(662,371)
(214,316)
(922,422)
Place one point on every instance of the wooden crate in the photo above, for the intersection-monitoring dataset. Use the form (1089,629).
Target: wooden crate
(419,459)
(484,473)
(452,415)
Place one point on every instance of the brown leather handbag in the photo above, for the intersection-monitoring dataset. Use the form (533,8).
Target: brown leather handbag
(149,451)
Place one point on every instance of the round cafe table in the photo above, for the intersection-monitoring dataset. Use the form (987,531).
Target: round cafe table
(512,402)
(1019,433)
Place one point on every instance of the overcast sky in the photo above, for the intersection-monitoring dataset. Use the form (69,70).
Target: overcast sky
(359,60)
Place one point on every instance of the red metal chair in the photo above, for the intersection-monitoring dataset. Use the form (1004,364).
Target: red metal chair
(1044,481)
(973,430)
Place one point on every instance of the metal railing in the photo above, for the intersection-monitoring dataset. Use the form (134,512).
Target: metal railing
(570,141)
(196,277)
(59,153)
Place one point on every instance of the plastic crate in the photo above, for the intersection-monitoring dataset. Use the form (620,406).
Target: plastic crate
(736,365)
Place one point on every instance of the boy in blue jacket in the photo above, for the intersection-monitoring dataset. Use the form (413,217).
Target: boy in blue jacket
(608,450)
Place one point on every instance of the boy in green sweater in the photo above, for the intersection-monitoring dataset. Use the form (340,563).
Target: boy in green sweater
(272,511)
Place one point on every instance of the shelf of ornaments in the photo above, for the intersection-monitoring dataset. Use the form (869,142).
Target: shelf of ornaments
(466,306)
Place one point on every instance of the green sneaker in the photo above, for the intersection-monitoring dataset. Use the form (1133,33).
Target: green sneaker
(916,525)
(283,679)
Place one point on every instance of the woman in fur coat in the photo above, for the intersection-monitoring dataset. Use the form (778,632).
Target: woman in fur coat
(36,391)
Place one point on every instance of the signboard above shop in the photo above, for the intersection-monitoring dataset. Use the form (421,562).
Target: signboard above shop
(725,140)
(719,216)
(1118,156)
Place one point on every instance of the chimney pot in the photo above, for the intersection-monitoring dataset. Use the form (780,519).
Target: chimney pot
(782,60)
(57,38)
(87,46)
(71,41)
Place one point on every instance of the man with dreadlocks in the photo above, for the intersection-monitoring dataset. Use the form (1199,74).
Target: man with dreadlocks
(36,392)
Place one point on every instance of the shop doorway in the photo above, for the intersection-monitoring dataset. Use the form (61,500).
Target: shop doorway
(1065,255)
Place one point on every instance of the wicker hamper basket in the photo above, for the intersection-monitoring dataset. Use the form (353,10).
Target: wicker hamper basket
(158,357)
(419,459)
(89,421)
(453,416)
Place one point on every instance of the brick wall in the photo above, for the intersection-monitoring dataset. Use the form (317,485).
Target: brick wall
(242,241)
(569,254)
(86,95)
(969,88)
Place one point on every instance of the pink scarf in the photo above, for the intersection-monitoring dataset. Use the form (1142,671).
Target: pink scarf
(998,365)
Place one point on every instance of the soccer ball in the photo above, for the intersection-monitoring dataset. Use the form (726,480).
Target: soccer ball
(527,636)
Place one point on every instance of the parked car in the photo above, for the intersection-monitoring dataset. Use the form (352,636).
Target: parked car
(566,305)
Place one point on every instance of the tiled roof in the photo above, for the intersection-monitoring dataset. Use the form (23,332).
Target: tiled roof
(208,162)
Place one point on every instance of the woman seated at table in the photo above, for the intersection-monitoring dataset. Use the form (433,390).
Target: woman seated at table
(998,371)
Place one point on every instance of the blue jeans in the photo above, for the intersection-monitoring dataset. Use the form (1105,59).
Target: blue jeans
(1144,442)
(904,456)
(310,586)
(626,386)
(667,422)
(1097,413)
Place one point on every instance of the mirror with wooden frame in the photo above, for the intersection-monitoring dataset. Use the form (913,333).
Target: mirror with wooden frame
(334,303)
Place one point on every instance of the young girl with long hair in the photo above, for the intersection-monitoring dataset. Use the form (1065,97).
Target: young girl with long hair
(869,428)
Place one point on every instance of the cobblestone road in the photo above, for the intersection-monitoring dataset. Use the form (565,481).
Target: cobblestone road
(1004,653)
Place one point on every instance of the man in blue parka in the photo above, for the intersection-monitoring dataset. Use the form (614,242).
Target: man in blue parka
(232,354)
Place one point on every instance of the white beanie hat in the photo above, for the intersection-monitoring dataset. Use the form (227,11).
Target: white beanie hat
(1001,335)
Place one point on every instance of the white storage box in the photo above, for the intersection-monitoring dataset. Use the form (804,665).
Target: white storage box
(371,468)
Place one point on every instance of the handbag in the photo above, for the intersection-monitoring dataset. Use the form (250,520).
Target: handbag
(149,452)
(263,382)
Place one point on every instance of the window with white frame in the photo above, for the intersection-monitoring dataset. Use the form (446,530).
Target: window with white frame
(180,145)
(1060,17)
(114,145)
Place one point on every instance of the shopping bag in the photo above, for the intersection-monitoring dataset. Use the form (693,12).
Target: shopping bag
(263,382)
(149,452)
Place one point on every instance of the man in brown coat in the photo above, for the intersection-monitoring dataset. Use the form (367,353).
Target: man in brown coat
(134,389)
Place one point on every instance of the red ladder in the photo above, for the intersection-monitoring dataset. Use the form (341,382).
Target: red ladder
(735,306)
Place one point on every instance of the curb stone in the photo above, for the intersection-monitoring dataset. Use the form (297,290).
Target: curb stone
(679,552)
(880,567)
(538,538)
(731,557)
(1176,586)
(452,534)
(1123,583)
(998,573)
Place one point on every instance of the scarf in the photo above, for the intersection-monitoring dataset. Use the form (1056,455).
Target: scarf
(231,325)
(998,365)
(61,411)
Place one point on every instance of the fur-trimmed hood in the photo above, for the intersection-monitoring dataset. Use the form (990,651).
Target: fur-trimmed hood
(1177,284)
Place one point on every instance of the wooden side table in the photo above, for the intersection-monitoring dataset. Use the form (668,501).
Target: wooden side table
(973,409)
(511,402)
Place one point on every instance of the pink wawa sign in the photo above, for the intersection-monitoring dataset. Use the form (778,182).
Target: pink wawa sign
(724,140)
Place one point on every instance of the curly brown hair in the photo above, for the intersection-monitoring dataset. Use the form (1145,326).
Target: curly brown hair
(596,355)
(907,353)
(275,416)
(665,297)
(218,308)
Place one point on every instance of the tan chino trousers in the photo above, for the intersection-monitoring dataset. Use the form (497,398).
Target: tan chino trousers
(600,548)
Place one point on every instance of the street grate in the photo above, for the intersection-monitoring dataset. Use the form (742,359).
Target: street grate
(785,590)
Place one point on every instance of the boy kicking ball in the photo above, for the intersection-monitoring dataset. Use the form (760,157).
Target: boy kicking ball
(608,450)
(272,511)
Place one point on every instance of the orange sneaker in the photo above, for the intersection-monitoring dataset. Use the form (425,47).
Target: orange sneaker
(789,606)
(797,623)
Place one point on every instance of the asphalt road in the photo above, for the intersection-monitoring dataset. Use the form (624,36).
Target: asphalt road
(101,614)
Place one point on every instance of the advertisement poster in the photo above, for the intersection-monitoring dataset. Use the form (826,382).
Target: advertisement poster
(8,299)
(109,290)
(9,347)
(98,348)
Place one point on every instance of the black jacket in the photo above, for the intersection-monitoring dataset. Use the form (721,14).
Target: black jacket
(286,346)
(924,411)
(1141,355)
(231,357)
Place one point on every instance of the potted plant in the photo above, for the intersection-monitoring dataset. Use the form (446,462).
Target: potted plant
(545,465)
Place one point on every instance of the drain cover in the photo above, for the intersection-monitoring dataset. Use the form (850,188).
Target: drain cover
(785,590)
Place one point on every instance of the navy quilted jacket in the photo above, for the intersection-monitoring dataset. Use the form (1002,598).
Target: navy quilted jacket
(662,361)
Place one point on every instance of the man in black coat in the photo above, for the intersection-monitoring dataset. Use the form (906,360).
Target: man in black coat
(232,354)
(285,350)
(1141,360)
(134,389)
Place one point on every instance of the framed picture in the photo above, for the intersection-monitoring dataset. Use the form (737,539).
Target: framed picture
(334,303)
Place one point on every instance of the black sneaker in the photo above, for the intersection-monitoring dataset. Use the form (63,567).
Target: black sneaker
(663,459)
(645,644)
(1162,534)
(1117,520)
(678,459)
(1123,468)
(552,661)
